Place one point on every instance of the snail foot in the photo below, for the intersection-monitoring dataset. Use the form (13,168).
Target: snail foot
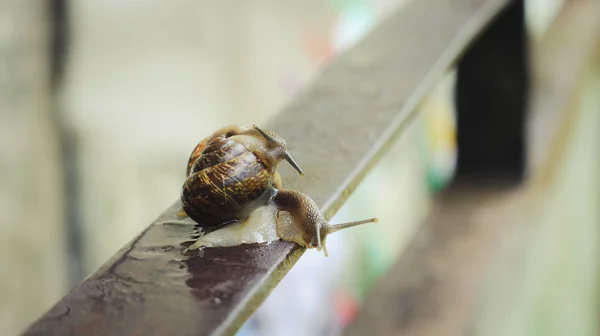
(257,228)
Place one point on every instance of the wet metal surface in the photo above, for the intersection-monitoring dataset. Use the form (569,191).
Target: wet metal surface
(337,130)
(151,288)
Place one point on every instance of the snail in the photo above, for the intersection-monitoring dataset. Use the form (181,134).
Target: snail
(233,190)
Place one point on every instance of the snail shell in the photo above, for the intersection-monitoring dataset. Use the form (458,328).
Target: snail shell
(226,183)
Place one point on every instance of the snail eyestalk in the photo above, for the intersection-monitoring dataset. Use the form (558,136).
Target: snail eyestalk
(265,134)
(293,163)
(331,228)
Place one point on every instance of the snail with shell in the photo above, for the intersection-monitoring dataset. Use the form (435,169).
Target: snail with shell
(232,185)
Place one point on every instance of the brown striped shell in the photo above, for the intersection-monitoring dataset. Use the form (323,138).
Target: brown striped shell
(225,182)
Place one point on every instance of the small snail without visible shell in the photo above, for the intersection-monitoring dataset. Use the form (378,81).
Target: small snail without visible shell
(232,186)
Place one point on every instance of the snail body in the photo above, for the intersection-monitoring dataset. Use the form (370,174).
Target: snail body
(232,185)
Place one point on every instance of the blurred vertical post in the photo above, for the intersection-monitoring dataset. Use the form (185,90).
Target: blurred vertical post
(67,139)
(491,100)
(32,254)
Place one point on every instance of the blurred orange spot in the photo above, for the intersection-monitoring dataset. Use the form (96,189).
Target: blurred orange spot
(318,47)
(346,306)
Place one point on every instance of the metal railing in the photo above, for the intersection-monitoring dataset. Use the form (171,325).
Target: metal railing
(338,129)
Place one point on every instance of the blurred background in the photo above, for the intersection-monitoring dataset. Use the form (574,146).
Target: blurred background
(142,81)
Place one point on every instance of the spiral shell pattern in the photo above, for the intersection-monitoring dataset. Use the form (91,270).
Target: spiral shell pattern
(225,182)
